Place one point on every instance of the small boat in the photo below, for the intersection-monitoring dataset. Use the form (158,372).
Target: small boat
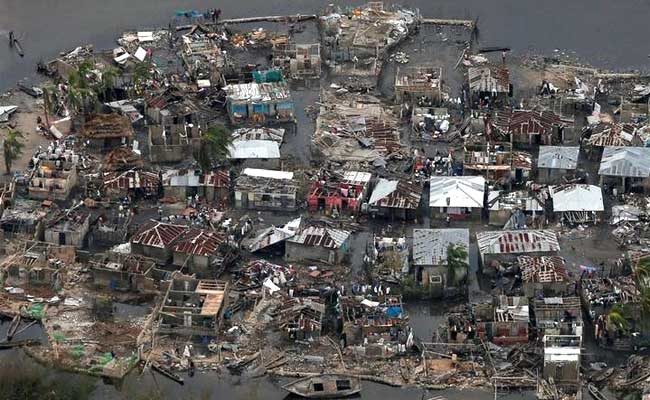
(164,371)
(327,386)
(19,48)
(595,393)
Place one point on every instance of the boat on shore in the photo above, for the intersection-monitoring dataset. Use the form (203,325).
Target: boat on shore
(327,386)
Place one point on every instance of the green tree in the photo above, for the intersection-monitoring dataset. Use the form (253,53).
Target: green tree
(456,262)
(12,148)
(215,147)
(142,73)
(617,318)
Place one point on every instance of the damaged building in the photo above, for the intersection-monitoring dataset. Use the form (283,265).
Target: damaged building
(268,98)
(420,85)
(458,197)
(298,60)
(578,204)
(301,318)
(317,243)
(430,257)
(341,192)
(497,247)
(488,85)
(133,183)
(514,210)
(193,307)
(69,228)
(627,168)
(106,131)
(155,240)
(554,163)
(129,273)
(213,186)
(263,189)
(395,199)
(544,275)
(53,180)
(197,250)
(531,127)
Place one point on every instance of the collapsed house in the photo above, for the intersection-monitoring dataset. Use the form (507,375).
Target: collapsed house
(317,244)
(339,193)
(457,197)
(531,127)
(395,199)
(132,183)
(352,127)
(577,204)
(39,264)
(263,189)
(562,360)
(512,210)
(301,318)
(197,250)
(202,57)
(107,131)
(488,85)
(193,307)
(356,43)
(213,186)
(494,161)
(558,316)
(297,60)
(68,228)
(431,123)
(172,108)
(544,275)
(173,143)
(628,165)
(266,99)
(390,257)
(376,328)
(608,134)
(431,257)
(155,240)
(498,247)
(130,273)
(511,320)
(419,85)
(271,237)
(122,158)
(24,217)
(556,162)
(53,180)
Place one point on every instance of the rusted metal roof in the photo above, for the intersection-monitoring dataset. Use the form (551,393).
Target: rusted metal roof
(396,194)
(158,234)
(612,135)
(321,237)
(104,126)
(219,179)
(513,242)
(199,242)
(528,122)
(545,269)
(131,180)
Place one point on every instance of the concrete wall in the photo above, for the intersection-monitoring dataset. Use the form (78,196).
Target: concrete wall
(441,213)
(161,255)
(296,252)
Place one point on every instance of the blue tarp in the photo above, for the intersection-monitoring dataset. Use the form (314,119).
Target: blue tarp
(394,311)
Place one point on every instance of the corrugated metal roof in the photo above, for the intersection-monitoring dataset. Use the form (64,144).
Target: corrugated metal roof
(158,234)
(625,161)
(605,134)
(356,177)
(529,122)
(258,92)
(199,242)
(513,242)
(396,194)
(321,237)
(430,245)
(577,198)
(558,157)
(489,79)
(254,149)
(457,191)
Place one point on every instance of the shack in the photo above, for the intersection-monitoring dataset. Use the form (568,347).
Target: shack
(317,243)
(558,316)
(24,217)
(133,183)
(488,86)
(514,210)
(625,168)
(263,154)
(511,320)
(556,162)
(213,186)
(497,247)
(531,127)
(68,228)
(301,318)
(198,251)
(493,161)
(263,189)
(130,273)
(420,85)
(578,204)
(395,199)
(339,193)
(193,307)
(458,197)
(172,107)
(53,180)
(431,257)
(155,240)
(259,101)
(104,132)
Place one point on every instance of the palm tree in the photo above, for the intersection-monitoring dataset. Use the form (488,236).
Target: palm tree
(642,270)
(456,256)
(617,318)
(106,82)
(141,75)
(12,148)
(215,146)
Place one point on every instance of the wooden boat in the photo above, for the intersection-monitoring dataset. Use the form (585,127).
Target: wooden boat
(164,371)
(327,386)
(595,393)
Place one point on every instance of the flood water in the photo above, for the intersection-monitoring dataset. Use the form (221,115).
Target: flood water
(604,33)
(609,34)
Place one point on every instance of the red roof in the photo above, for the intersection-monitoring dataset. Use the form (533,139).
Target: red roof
(219,179)
(158,234)
(199,242)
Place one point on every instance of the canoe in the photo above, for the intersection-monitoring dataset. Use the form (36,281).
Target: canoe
(327,386)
